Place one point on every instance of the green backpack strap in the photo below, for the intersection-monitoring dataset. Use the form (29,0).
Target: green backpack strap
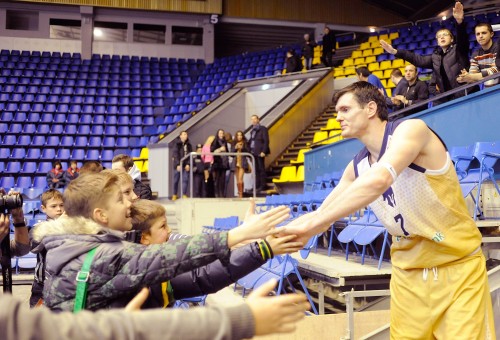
(82,278)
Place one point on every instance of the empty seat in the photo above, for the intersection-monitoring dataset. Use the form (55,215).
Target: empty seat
(44,167)
(48,153)
(29,167)
(18,153)
(33,153)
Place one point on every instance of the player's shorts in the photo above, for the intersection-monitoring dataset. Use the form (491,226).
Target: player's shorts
(452,301)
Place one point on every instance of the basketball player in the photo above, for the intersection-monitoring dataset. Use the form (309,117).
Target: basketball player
(439,285)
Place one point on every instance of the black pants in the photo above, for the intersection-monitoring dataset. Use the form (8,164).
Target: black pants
(219,182)
(198,185)
(327,58)
(260,173)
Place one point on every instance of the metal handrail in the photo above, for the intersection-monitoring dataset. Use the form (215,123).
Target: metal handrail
(218,154)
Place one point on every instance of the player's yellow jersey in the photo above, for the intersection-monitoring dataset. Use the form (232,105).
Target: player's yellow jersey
(425,212)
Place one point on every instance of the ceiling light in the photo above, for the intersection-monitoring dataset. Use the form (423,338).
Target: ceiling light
(97,32)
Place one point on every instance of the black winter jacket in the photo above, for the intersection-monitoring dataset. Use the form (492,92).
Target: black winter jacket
(181,150)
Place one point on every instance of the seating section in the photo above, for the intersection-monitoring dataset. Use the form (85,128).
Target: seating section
(59,106)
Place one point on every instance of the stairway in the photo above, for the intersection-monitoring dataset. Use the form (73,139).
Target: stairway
(302,141)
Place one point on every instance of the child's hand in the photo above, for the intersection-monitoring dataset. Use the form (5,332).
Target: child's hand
(284,244)
(137,302)
(258,226)
(276,314)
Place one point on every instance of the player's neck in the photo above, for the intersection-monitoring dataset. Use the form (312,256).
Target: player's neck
(374,137)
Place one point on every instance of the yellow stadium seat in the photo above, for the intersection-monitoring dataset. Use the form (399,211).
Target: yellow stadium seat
(386,64)
(396,63)
(370,59)
(387,73)
(390,84)
(373,38)
(359,61)
(389,92)
(378,74)
(364,45)
(334,137)
(139,165)
(288,173)
(384,82)
(349,71)
(378,50)
(356,54)
(375,44)
(299,177)
(331,124)
(300,157)
(373,67)
(348,62)
(320,136)
(145,166)
(144,154)
(383,37)
(368,52)
(339,71)
(394,35)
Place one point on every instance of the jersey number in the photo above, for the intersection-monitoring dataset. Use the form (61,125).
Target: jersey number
(399,218)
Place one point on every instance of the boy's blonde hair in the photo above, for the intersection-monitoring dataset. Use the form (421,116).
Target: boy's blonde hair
(50,194)
(88,192)
(144,212)
(123,177)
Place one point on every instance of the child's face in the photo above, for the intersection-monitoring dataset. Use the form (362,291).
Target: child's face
(117,211)
(73,166)
(54,208)
(128,192)
(158,233)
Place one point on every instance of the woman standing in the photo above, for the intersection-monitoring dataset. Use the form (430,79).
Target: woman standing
(220,163)
(240,162)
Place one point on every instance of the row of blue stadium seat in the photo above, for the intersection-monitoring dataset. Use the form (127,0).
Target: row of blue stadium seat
(51,109)
(126,68)
(95,125)
(75,95)
(91,83)
(49,154)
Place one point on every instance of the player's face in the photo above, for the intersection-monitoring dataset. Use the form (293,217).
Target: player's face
(352,117)
(483,35)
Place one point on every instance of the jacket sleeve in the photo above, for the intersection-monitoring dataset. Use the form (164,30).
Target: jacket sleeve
(175,156)
(422,92)
(215,276)
(143,190)
(148,265)
(265,135)
(463,44)
(212,322)
(415,59)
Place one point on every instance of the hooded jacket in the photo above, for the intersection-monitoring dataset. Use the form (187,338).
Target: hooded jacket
(454,60)
(119,268)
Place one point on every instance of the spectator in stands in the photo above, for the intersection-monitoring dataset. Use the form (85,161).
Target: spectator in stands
(126,163)
(90,167)
(221,163)
(229,140)
(53,207)
(405,174)
(208,160)
(259,147)
(329,47)
(55,177)
(19,246)
(198,174)
(482,63)
(400,82)
(308,46)
(149,218)
(72,172)
(261,314)
(240,163)
(448,59)
(365,75)
(182,147)
(415,91)
(293,62)
(97,214)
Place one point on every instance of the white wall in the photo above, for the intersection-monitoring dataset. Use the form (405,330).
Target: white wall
(259,102)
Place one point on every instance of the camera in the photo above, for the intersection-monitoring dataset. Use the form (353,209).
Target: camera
(9,202)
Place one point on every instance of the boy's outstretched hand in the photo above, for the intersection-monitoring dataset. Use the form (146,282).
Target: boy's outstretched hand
(136,303)
(284,244)
(258,225)
(276,314)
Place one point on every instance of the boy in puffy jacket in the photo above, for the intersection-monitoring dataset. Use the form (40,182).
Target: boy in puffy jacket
(97,216)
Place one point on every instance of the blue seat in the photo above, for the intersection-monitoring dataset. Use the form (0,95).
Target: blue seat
(23,182)
(29,129)
(92,154)
(18,153)
(66,141)
(24,141)
(32,153)
(40,182)
(4,153)
(122,142)
(63,154)
(110,130)
(108,142)
(13,167)
(78,154)
(107,155)
(15,128)
(9,140)
(123,131)
(81,141)
(44,167)
(48,153)
(7,182)
(52,141)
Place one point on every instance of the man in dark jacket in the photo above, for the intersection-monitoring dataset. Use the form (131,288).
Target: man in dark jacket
(182,147)
(259,147)
(126,163)
(308,50)
(293,62)
(448,59)
(414,91)
(329,46)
